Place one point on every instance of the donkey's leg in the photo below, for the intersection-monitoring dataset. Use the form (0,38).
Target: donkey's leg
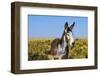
(60,58)
(51,57)
(67,53)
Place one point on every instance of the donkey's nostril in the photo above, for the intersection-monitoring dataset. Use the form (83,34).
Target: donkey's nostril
(73,43)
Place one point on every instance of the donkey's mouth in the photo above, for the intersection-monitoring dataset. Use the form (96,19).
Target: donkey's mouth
(73,44)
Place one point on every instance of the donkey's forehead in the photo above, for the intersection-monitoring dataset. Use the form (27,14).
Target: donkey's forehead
(68,30)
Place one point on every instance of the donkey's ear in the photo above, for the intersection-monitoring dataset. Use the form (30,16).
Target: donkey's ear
(66,25)
(71,27)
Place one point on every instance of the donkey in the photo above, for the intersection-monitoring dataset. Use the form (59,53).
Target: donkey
(60,46)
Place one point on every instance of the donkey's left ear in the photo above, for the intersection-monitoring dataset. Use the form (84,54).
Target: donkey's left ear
(66,25)
(71,27)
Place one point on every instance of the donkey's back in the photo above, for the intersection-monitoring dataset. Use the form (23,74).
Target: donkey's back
(54,46)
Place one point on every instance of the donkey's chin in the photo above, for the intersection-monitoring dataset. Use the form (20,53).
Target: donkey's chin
(72,47)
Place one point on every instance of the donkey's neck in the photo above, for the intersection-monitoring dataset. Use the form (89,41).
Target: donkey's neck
(63,41)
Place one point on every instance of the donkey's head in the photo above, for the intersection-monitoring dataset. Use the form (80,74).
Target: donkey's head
(69,34)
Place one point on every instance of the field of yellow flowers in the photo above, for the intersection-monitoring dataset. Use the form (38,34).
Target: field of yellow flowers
(37,49)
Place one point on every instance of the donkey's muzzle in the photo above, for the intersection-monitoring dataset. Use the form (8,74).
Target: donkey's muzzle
(73,44)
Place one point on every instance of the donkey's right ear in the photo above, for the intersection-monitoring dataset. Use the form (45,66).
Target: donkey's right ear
(66,25)
(71,27)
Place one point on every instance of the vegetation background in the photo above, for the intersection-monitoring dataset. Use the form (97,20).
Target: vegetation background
(37,49)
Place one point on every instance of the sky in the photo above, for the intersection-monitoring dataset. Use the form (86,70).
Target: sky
(46,26)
